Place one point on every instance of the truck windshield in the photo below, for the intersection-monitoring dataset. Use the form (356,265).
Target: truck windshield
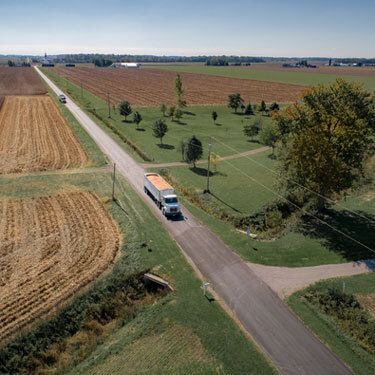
(171,200)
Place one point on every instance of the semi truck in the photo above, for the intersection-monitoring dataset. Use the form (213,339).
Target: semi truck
(162,193)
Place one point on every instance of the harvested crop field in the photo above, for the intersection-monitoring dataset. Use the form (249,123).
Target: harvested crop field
(20,81)
(35,137)
(149,87)
(49,248)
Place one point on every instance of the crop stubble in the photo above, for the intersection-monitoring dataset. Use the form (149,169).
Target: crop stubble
(149,87)
(35,137)
(49,248)
(20,81)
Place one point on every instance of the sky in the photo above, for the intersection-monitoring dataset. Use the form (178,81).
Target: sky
(173,27)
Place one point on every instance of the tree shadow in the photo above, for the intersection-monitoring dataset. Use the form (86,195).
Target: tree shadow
(253,141)
(272,156)
(166,146)
(140,129)
(225,203)
(203,172)
(347,225)
(218,124)
(189,113)
(180,122)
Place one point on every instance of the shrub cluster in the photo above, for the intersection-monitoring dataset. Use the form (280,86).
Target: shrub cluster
(79,325)
(347,312)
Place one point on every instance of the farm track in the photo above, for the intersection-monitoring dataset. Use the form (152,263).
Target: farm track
(20,81)
(149,87)
(49,248)
(35,137)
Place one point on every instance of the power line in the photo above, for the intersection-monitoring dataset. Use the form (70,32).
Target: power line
(304,187)
(303,210)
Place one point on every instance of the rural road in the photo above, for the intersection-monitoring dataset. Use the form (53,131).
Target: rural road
(282,336)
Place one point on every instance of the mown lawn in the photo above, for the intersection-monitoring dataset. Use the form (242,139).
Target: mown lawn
(360,361)
(198,122)
(297,78)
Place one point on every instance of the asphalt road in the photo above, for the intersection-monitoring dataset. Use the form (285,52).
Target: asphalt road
(286,341)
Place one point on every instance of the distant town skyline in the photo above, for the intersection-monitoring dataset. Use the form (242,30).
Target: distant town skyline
(241,27)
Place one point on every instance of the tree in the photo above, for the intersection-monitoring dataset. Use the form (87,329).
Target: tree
(214,116)
(171,112)
(249,110)
(235,101)
(193,150)
(178,114)
(262,107)
(163,109)
(181,102)
(125,109)
(159,129)
(326,138)
(274,107)
(11,63)
(251,130)
(269,136)
(137,118)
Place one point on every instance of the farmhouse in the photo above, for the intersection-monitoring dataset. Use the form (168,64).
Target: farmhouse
(126,65)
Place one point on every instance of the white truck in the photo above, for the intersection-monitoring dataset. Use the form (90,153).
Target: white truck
(162,193)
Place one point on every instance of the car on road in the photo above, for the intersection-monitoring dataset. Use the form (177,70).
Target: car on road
(62,98)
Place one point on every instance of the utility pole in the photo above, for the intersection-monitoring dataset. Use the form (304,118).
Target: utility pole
(208,168)
(113,182)
(109,105)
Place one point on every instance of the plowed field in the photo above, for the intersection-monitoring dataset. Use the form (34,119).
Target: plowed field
(49,248)
(146,87)
(34,136)
(20,81)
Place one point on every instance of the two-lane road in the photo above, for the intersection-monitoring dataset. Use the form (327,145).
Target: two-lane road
(287,342)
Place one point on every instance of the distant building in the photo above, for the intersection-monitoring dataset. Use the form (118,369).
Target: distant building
(126,65)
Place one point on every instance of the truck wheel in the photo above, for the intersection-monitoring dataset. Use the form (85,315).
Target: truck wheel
(163,211)
(145,190)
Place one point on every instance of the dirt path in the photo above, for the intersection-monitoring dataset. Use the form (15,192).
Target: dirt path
(287,280)
(230,157)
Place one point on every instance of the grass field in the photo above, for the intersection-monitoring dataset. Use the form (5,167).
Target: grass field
(297,78)
(324,326)
(309,244)
(229,127)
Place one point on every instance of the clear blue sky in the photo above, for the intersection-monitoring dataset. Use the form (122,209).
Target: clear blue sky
(191,27)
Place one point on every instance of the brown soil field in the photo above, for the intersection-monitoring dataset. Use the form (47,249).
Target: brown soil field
(20,81)
(35,137)
(149,87)
(368,71)
(50,247)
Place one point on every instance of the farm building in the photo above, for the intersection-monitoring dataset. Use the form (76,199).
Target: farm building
(126,65)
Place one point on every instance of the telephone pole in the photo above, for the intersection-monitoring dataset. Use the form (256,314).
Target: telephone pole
(208,168)
(113,182)
(109,105)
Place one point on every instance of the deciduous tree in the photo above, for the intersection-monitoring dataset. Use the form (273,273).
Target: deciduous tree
(326,138)
(193,150)
(235,101)
(160,129)
(125,109)
(214,116)
(137,118)
(181,102)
